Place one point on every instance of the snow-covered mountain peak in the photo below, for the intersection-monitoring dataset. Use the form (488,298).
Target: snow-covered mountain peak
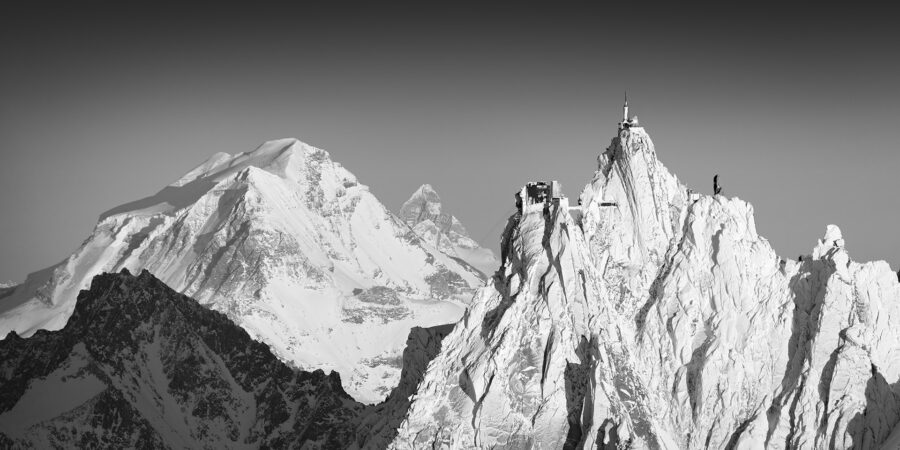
(427,191)
(290,245)
(634,207)
(309,167)
(425,204)
(426,215)
(651,316)
(276,156)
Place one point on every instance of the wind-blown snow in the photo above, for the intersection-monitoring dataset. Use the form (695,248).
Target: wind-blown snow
(286,242)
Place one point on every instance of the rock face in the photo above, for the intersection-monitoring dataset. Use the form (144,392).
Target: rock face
(653,317)
(377,425)
(289,245)
(140,366)
(424,213)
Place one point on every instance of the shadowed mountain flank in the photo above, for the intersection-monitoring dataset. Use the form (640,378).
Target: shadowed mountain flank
(140,365)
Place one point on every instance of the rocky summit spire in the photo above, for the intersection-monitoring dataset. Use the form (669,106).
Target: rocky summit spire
(627,122)
(663,323)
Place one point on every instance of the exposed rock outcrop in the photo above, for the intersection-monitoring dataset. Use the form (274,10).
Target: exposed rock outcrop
(140,366)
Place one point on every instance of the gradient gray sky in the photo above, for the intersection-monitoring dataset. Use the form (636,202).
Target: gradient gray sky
(797,110)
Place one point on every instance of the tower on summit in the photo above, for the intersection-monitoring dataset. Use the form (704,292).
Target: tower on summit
(627,122)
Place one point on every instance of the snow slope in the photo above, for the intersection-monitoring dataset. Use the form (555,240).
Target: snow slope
(425,214)
(141,366)
(289,245)
(663,321)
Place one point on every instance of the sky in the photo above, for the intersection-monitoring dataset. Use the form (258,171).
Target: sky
(797,110)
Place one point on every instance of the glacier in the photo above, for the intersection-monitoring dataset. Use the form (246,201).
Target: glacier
(286,242)
(651,316)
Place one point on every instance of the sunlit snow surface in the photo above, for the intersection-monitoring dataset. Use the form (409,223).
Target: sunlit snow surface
(286,242)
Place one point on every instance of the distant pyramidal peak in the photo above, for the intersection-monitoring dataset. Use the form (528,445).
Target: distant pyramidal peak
(425,214)
(287,243)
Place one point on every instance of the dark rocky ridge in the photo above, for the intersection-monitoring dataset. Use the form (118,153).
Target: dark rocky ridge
(159,358)
(172,374)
